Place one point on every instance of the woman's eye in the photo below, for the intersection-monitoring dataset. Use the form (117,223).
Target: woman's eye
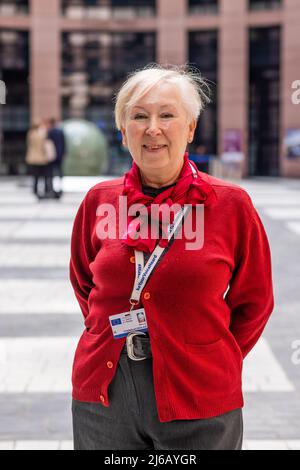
(143,116)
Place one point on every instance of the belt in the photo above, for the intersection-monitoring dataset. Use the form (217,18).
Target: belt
(137,346)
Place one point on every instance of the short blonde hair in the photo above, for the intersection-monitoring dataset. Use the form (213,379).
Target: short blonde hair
(193,87)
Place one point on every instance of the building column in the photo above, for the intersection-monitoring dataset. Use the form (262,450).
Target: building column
(290,112)
(171,33)
(233,73)
(45,52)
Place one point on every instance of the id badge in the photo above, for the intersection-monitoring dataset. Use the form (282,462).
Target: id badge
(124,323)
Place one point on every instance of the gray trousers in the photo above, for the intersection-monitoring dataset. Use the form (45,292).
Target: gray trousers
(131,421)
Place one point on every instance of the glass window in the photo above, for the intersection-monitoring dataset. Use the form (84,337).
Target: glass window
(264,101)
(107,9)
(14,7)
(203,53)
(265,4)
(204,6)
(14,71)
(95,64)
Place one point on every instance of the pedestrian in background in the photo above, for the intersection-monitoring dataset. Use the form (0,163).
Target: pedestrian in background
(57,136)
(38,160)
(173,382)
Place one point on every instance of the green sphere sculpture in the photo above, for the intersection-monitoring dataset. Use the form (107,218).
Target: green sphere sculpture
(87,149)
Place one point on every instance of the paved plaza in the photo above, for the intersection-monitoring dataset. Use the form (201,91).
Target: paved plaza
(40,321)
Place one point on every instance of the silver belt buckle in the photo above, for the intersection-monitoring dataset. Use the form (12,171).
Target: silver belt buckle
(130,346)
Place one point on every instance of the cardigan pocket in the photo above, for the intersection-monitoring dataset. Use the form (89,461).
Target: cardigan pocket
(208,368)
(90,336)
(88,363)
(203,348)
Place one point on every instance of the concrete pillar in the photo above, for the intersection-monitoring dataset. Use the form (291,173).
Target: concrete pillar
(290,72)
(171,34)
(233,72)
(45,53)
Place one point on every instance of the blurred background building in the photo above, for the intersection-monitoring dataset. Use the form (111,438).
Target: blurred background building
(67,58)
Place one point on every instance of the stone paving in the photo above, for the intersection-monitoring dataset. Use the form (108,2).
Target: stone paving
(40,321)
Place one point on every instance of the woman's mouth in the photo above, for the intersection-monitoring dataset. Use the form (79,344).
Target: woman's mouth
(154,148)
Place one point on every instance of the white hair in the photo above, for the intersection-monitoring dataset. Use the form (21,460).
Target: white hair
(193,87)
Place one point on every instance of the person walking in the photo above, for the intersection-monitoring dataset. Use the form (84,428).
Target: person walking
(57,137)
(37,160)
(167,324)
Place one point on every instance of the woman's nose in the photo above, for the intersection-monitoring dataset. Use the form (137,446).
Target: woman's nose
(153,128)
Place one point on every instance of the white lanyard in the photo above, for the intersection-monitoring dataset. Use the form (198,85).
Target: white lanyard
(142,273)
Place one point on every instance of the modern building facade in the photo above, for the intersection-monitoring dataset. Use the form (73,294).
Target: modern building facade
(67,58)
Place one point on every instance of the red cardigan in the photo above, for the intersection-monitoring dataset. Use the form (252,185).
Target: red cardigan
(199,337)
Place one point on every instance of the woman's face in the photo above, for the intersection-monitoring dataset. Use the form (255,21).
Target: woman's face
(156,131)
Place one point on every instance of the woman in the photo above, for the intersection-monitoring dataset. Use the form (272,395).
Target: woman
(37,159)
(174,381)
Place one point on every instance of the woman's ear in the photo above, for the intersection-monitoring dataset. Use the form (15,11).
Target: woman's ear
(124,139)
(192,128)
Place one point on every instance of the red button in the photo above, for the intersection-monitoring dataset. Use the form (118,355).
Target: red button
(147,295)
(110,364)
(132,259)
